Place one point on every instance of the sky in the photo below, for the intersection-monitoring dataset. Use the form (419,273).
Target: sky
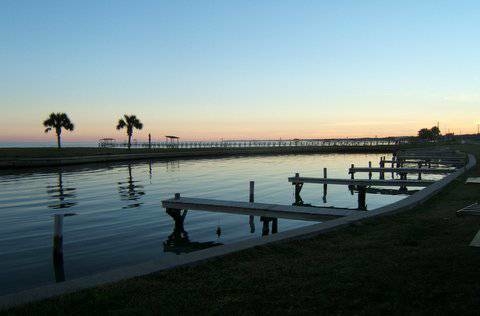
(207,70)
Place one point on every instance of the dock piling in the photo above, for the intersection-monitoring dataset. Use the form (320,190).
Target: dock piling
(251,200)
(352,173)
(362,192)
(324,186)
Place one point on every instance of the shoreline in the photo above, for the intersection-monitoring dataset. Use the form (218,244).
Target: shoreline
(20,158)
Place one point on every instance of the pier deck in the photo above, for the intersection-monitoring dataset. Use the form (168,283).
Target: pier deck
(258,209)
(402,170)
(362,182)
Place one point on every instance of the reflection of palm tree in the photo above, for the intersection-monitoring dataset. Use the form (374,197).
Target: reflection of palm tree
(58,192)
(129,191)
(178,241)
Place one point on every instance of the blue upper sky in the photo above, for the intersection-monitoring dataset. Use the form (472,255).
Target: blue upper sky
(241,69)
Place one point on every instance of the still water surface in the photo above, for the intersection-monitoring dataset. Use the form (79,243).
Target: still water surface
(120,220)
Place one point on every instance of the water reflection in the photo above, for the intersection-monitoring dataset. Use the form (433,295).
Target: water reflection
(130,191)
(62,196)
(178,241)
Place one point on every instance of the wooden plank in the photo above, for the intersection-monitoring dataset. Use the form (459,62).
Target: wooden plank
(362,182)
(403,170)
(258,209)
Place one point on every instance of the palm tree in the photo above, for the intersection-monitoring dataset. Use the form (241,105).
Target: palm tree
(57,121)
(130,122)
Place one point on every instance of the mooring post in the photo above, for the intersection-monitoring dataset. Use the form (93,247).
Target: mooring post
(274,225)
(370,172)
(177,196)
(352,173)
(252,192)
(298,188)
(149,141)
(419,173)
(382,173)
(324,186)
(251,200)
(362,192)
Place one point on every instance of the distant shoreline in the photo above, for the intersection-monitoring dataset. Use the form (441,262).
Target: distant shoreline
(16,158)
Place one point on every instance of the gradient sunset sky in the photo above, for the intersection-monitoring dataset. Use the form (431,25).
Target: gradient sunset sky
(240,69)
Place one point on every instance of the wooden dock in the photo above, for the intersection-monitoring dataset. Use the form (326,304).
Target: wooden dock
(257,209)
(362,182)
(360,185)
(402,170)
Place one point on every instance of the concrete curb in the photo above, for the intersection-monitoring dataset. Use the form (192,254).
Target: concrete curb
(197,257)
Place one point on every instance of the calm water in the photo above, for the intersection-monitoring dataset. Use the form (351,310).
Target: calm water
(120,220)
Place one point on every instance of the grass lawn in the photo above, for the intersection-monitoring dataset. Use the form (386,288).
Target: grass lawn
(416,261)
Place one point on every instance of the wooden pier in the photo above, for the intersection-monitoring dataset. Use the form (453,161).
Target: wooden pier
(257,209)
(402,170)
(360,185)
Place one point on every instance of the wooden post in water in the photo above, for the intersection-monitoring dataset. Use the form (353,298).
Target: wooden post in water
(382,173)
(149,141)
(352,173)
(251,200)
(369,173)
(362,192)
(252,192)
(274,225)
(298,188)
(325,186)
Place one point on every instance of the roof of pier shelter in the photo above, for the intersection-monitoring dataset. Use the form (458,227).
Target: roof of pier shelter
(172,137)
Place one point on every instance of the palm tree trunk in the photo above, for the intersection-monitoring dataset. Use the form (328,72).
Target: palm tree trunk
(129,141)
(58,141)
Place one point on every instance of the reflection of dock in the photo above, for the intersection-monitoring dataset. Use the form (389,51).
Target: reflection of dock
(257,209)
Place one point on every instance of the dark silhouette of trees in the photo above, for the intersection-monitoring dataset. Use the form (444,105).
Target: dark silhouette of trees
(429,134)
(58,121)
(130,122)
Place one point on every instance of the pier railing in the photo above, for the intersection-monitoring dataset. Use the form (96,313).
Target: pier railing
(263,143)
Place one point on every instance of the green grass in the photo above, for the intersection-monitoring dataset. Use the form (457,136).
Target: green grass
(414,262)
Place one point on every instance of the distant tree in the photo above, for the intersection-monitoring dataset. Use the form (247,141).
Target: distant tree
(58,121)
(435,132)
(429,134)
(130,122)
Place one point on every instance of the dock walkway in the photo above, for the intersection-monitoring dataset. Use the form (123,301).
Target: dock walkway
(257,209)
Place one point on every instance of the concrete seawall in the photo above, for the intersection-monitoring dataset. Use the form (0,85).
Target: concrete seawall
(188,153)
